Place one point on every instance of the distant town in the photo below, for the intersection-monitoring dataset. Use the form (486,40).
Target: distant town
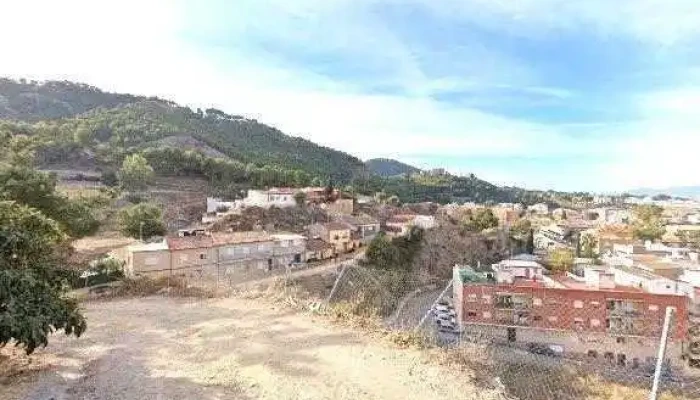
(603,272)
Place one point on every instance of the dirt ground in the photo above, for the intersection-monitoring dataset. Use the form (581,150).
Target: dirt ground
(172,348)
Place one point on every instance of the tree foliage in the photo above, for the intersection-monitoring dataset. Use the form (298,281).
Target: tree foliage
(648,224)
(32,300)
(142,219)
(561,260)
(37,189)
(300,198)
(482,219)
(135,173)
(530,244)
(395,254)
(589,246)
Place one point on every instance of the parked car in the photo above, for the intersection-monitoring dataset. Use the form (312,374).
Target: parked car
(446,317)
(440,308)
(445,326)
(545,349)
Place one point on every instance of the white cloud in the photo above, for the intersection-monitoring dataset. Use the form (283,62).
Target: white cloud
(138,47)
(658,22)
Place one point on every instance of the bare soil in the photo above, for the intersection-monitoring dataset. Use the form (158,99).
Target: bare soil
(174,348)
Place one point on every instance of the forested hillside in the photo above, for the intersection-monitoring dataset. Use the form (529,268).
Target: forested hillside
(386,167)
(449,188)
(35,101)
(76,126)
(78,119)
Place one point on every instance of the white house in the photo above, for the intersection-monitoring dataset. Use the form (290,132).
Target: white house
(593,276)
(507,271)
(278,197)
(539,209)
(424,221)
(693,219)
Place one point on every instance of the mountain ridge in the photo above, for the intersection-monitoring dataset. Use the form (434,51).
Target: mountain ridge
(71,119)
(386,167)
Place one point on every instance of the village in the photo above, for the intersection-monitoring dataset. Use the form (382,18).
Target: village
(578,281)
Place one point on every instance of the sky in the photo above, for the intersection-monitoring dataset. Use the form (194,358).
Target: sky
(593,95)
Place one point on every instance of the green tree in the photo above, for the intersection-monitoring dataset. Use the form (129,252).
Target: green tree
(648,224)
(381,253)
(521,227)
(395,254)
(589,246)
(300,198)
(561,260)
(530,244)
(109,178)
(136,173)
(38,190)
(482,219)
(142,220)
(33,303)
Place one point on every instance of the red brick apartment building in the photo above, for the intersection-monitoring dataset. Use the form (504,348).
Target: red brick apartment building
(619,324)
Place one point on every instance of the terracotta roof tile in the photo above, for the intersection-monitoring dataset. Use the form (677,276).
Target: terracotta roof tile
(189,242)
(221,238)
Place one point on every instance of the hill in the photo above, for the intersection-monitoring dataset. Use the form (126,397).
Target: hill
(386,167)
(35,101)
(76,118)
(80,127)
(674,191)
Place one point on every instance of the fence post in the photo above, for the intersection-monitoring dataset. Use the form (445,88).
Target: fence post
(422,321)
(661,354)
(335,285)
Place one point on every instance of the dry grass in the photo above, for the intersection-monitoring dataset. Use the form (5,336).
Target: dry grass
(473,361)
(172,286)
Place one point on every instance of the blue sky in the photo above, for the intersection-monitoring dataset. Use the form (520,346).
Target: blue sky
(591,95)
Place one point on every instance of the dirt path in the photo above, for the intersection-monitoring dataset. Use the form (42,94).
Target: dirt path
(160,348)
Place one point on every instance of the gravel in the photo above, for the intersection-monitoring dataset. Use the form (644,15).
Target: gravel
(167,348)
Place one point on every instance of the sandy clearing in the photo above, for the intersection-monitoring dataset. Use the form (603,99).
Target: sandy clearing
(162,348)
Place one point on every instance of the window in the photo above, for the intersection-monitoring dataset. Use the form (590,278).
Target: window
(592,354)
(202,256)
(486,299)
(578,304)
(620,340)
(595,322)
(536,301)
(609,355)
(552,301)
(537,318)
(487,315)
(595,304)
(183,258)
(635,363)
(471,314)
(245,250)
(471,298)
(552,318)
(653,307)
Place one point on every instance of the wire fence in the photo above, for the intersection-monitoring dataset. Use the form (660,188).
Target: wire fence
(537,346)
(527,346)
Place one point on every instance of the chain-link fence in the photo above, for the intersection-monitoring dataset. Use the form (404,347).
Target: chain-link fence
(539,346)
(524,342)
